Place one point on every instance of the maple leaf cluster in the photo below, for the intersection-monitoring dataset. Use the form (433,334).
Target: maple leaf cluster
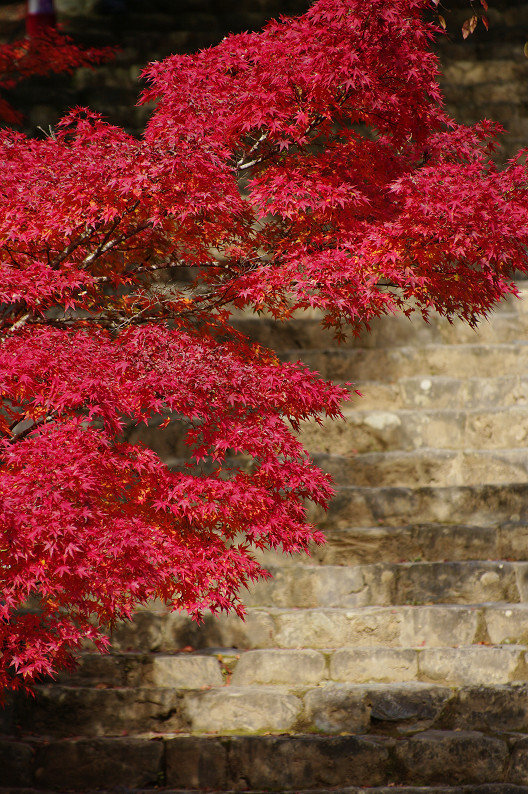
(47,51)
(309,166)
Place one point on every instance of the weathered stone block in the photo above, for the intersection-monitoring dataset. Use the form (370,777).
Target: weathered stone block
(327,628)
(438,626)
(196,762)
(295,762)
(363,665)
(247,710)
(507,623)
(223,631)
(274,666)
(407,704)
(477,664)
(455,582)
(463,757)
(16,763)
(315,586)
(84,763)
(335,708)
(185,671)
(489,708)
(142,633)
(84,711)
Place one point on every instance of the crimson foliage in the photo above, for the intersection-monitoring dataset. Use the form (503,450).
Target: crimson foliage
(310,166)
(47,51)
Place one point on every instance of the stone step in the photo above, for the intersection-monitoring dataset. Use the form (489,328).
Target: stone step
(427,466)
(460,361)
(470,758)
(418,467)
(386,332)
(331,708)
(434,392)
(381,431)
(414,542)
(485,788)
(383,584)
(393,417)
(484,505)
(468,665)
(404,626)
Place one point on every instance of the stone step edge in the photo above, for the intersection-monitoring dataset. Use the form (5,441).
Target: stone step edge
(265,762)
(218,668)
(484,788)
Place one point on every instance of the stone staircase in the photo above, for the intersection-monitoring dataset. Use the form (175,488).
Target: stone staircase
(395,656)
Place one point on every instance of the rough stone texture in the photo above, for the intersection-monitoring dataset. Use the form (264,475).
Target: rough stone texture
(337,708)
(464,757)
(185,672)
(16,762)
(353,545)
(224,631)
(383,584)
(410,706)
(142,633)
(192,762)
(363,665)
(483,505)
(518,766)
(500,708)
(313,586)
(275,666)
(507,624)
(243,710)
(308,761)
(82,763)
(438,626)
(473,665)
(327,628)
(426,466)
(460,361)
(81,711)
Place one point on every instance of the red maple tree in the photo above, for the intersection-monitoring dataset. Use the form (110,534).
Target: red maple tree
(311,165)
(46,51)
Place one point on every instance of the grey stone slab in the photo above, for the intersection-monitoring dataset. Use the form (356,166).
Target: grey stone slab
(279,666)
(332,628)
(408,706)
(367,665)
(437,392)
(489,708)
(16,763)
(83,763)
(185,671)
(478,664)
(194,762)
(87,711)
(464,757)
(433,542)
(485,505)
(446,582)
(439,625)
(507,624)
(219,631)
(518,766)
(431,360)
(337,708)
(242,710)
(142,633)
(426,466)
(295,762)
